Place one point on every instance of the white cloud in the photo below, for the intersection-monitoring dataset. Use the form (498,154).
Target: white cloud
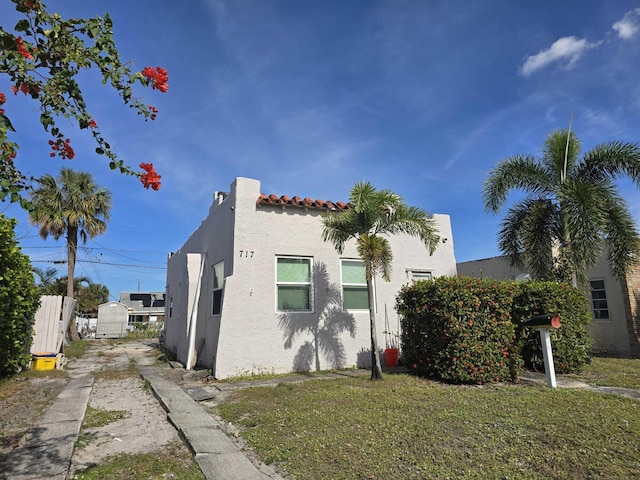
(568,49)
(629,25)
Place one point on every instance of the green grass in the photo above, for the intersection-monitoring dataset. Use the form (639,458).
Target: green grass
(99,417)
(173,461)
(612,372)
(408,428)
(77,348)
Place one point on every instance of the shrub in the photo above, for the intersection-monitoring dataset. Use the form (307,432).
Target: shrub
(19,301)
(571,342)
(459,329)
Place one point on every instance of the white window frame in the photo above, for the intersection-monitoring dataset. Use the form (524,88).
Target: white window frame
(343,284)
(308,284)
(216,289)
(421,274)
(604,299)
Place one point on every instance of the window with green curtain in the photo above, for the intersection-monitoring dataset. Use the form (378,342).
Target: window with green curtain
(293,280)
(218,282)
(354,286)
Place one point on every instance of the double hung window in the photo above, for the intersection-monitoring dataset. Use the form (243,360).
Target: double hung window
(293,284)
(599,300)
(355,295)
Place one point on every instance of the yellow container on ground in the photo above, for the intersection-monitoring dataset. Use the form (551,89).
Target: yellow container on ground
(43,361)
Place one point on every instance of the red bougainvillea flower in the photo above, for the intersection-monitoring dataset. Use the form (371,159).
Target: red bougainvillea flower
(158,78)
(154,111)
(22,50)
(62,147)
(3,98)
(92,123)
(150,177)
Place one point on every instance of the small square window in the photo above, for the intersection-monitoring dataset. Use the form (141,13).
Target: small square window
(416,275)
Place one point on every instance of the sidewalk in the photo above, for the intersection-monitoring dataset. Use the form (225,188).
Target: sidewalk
(50,444)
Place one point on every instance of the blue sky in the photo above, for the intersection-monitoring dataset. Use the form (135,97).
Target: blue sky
(421,97)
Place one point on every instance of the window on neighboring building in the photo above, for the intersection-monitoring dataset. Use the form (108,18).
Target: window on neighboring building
(416,275)
(599,300)
(354,286)
(170,306)
(293,282)
(218,282)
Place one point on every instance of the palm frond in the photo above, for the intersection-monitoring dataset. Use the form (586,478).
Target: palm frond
(612,160)
(526,238)
(621,236)
(560,158)
(514,173)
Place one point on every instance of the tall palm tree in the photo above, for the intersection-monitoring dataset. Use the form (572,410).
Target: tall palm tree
(70,205)
(572,209)
(372,217)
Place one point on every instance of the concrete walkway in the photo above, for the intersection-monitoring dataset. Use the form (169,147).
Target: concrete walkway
(563,382)
(50,444)
(215,453)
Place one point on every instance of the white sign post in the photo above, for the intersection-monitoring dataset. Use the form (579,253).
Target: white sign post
(547,355)
(544,323)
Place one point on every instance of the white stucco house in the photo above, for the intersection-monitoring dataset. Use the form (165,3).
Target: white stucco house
(255,289)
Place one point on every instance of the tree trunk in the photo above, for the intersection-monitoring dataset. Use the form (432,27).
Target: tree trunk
(72,248)
(376,367)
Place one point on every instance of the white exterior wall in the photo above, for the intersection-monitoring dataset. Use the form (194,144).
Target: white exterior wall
(250,335)
(611,334)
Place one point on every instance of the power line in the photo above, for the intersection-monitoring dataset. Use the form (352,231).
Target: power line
(101,263)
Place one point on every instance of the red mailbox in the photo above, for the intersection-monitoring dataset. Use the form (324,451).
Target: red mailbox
(544,321)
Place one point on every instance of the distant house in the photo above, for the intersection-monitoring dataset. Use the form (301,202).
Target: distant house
(117,319)
(144,306)
(615,304)
(256,289)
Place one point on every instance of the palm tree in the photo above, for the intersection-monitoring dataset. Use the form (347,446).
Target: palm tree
(91,296)
(372,216)
(46,277)
(572,209)
(71,205)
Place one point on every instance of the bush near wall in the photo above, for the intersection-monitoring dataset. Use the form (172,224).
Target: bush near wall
(19,301)
(571,342)
(459,329)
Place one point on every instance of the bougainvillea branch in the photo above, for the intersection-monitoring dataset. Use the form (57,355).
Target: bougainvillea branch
(42,58)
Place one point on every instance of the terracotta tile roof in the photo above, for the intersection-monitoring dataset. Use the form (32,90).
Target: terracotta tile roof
(300,202)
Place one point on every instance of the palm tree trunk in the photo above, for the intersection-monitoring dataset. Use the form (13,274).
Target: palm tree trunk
(72,248)
(376,367)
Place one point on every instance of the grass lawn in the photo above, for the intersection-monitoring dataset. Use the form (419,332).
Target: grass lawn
(612,372)
(408,428)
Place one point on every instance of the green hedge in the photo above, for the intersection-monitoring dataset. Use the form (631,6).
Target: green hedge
(571,342)
(459,329)
(468,330)
(19,301)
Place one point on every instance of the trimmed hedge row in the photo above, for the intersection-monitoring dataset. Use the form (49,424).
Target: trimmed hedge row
(467,330)
(571,342)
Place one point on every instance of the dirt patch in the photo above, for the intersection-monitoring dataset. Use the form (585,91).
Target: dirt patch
(145,429)
(23,400)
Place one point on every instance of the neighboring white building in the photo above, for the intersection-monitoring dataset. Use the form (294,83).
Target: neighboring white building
(614,302)
(255,289)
